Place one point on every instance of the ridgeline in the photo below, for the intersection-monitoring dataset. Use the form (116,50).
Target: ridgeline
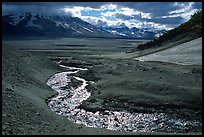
(183,33)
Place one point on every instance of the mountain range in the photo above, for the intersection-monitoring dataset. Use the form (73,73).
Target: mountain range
(28,24)
(40,25)
(139,33)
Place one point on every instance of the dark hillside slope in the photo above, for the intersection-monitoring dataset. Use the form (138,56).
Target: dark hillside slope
(185,32)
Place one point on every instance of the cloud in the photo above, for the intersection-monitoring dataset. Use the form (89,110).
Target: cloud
(145,24)
(108,7)
(111,14)
(185,11)
(101,23)
(124,17)
(74,11)
(31,7)
(97,20)
(92,20)
(133,14)
(125,11)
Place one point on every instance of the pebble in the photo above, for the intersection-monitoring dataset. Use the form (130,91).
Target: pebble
(7,123)
(4,133)
(19,129)
(4,127)
(9,89)
(160,70)
(63,130)
(144,70)
(153,68)
(32,127)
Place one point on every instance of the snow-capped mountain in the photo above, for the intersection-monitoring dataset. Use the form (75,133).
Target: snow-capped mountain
(27,24)
(139,33)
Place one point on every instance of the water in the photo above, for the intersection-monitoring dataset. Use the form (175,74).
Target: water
(68,100)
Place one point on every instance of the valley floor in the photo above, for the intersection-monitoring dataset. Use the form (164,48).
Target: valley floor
(120,84)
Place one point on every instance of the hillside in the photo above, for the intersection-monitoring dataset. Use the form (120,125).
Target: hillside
(184,33)
(188,53)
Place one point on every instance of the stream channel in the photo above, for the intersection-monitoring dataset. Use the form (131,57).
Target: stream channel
(68,99)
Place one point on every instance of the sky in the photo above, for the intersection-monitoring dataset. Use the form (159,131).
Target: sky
(158,15)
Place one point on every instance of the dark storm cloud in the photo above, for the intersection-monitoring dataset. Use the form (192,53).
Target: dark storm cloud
(101,23)
(90,4)
(155,8)
(197,5)
(43,7)
(173,21)
(170,22)
(20,7)
(122,16)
